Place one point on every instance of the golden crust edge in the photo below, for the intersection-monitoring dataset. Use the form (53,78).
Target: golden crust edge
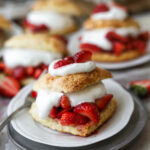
(84,130)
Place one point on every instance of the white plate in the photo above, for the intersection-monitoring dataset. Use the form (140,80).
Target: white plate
(73,47)
(32,130)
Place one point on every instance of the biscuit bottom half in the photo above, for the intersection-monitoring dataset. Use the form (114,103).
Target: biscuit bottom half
(109,57)
(81,130)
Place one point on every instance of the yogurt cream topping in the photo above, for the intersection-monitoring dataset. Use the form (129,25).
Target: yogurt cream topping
(98,36)
(71,68)
(113,13)
(14,57)
(46,99)
(53,20)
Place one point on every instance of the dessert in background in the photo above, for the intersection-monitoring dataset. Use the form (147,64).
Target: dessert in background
(55,16)
(112,36)
(26,56)
(5,27)
(71,97)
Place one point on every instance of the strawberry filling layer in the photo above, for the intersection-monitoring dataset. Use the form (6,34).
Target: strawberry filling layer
(120,43)
(21,72)
(34,28)
(79,115)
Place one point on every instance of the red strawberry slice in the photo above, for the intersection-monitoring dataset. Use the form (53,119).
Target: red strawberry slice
(30,71)
(144,36)
(45,67)
(103,101)
(64,102)
(118,48)
(19,73)
(112,36)
(90,47)
(2,66)
(53,113)
(71,118)
(35,28)
(9,86)
(61,112)
(82,56)
(8,71)
(101,8)
(140,45)
(34,94)
(37,73)
(66,61)
(89,110)
(144,83)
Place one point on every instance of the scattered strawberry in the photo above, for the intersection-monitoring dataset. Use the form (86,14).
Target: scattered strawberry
(71,118)
(66,61)
(8,71)
(144,36)
(2,66)
(19,73)
(61,112)
(103,101)
(140,45)
(9,86)
(45,67)
(37,73)
(53,113)
(35,28)
(118,48)
(113,37)
(30,71)
(62,38)
(89,110)
(140,87)
(101,8)
(64,102)
(82,56)
(34,94)
(90,47)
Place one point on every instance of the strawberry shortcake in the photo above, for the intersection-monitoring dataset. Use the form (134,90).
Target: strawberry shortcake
(112,36)
(27,55)
(71,97)
(54,16)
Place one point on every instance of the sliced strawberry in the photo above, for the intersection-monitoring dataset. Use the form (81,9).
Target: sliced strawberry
(139,45)
(112,36)
(45,67)
(66,61)
(8,71)
(103,101)
(82,56)
(90,47)
(101,8)
(71,118)
(37,73)
(19,72)
(30,71)
(143,83)
(89,110)
(61,112)
(144,36)
(62,38)
(34,94)
(64,102)
(35,28)
(9,86)
(2,65)
(118,48)
(53,113)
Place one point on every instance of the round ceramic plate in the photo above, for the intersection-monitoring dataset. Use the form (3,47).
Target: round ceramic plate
(27,127)
(73,47)
(118,141)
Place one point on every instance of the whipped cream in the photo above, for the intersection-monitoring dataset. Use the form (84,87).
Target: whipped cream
(47,99)
(113,13)
(98,36)
(14,57)
(71,68)
(53,20)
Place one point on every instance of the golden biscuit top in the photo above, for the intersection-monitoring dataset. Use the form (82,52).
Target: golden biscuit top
(4,23)
(69,7)
(43,42)
(98,24)
(71,83)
